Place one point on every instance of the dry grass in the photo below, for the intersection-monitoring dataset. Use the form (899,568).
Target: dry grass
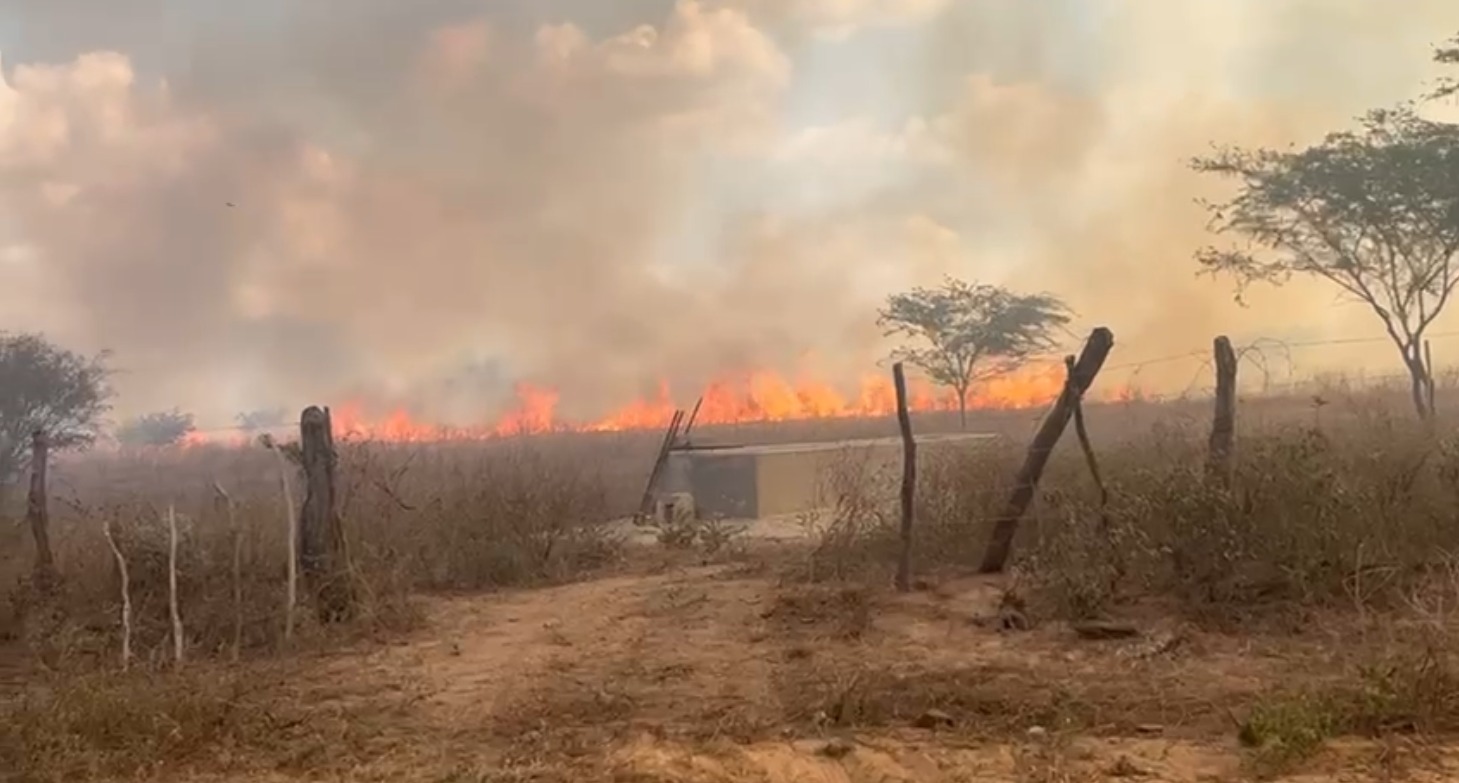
(1334,553)
(416,519)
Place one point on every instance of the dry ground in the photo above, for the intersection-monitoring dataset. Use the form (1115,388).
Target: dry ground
(682,671)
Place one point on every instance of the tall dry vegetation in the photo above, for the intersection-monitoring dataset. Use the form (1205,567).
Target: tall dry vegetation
(1353,504)
(452,517)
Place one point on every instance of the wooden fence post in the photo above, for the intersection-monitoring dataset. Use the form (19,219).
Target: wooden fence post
(322,556)
(1081,376)
(1223,424)
(37,513)
(909,478)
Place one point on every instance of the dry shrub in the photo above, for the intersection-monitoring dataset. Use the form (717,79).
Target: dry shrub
(516,515)
(250,722)
(1351,516)
(465,516)
(1354,512)
(1413,690)
(91,728)
(857,537)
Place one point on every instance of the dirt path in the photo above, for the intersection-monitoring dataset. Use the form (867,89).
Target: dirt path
(717,673)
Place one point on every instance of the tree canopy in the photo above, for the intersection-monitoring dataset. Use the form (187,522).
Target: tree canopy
(163,428)
(969,332)
(262,419)
(47,388)
(1373,211)
(1448,54)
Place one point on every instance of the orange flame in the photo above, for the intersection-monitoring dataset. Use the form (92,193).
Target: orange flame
(755,397)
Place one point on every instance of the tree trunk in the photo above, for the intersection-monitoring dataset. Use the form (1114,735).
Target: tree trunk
(37,512)
(962,408)
(1418,374)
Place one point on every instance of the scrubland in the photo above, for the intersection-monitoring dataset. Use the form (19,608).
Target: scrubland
(1298,625)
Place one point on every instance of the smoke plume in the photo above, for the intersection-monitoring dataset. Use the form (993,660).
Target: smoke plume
(427,201)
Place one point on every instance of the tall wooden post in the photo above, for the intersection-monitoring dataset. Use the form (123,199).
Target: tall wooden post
(909,478)
(322,557)
(1223,424)
(1081,376)
(37,513)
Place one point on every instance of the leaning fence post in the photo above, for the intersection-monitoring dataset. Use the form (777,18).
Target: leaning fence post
(1081,376)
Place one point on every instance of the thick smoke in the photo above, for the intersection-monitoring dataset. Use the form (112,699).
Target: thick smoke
(427,201)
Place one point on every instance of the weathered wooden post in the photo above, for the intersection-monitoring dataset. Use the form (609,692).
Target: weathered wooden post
(1223,425)
(37,513)
(909,478)
(322,557)
(1081,376)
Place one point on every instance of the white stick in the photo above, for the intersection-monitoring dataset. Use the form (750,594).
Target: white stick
(291,524)
(172,585)
(126,594)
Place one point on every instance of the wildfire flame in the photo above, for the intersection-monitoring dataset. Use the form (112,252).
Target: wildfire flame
(754,397)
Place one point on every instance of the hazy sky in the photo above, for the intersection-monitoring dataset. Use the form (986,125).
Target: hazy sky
(595,195)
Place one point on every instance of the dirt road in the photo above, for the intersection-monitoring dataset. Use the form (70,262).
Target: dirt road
(724,673)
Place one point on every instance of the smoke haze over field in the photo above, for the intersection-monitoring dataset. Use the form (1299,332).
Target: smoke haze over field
(275,201)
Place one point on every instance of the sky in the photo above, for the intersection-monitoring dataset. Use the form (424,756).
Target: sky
(264,203)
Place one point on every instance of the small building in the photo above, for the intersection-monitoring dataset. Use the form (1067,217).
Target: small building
(753,482)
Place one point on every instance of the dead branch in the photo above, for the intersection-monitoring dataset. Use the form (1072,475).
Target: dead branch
(1086,446)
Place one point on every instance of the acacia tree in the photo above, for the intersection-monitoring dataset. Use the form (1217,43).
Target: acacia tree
(971,331)
(47,388)
(262,419)
(1374,211)
(163,428)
